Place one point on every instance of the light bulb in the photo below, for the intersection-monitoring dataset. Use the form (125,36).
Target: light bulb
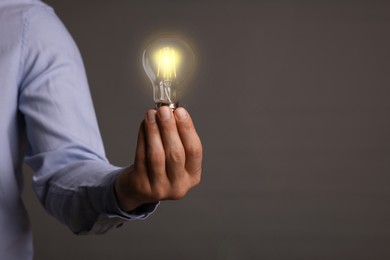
(168,62)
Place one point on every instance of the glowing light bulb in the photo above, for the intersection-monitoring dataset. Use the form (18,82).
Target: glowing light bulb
(168,62)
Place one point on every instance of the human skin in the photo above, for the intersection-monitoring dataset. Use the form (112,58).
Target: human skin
(168,160)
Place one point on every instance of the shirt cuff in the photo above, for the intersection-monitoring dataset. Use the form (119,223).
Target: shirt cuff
(114,217)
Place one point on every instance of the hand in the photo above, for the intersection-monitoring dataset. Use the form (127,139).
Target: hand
(168,161)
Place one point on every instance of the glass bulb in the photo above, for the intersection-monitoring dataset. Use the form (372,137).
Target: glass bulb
(168,62)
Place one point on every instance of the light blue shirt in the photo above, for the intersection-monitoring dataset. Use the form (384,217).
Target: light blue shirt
(47,120)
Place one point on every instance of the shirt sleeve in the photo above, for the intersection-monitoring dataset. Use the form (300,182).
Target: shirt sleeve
(73,179)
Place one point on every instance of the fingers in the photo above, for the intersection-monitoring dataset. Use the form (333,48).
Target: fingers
(140,151)
(190,139)
(174,150)
(154,152)
(170,151)
(167,162)
(140,166)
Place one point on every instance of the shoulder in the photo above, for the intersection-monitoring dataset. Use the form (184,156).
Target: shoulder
(15,14)
(44,40)
(14,11)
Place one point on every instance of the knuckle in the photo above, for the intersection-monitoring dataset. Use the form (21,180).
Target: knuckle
(196,179)
(159,193)
(195,151)
(179,193)
(156,157)
(176,156)
(140,184)
(141,188)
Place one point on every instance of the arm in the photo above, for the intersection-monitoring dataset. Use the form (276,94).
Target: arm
(73,179)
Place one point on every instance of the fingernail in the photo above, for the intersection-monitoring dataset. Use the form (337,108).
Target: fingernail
(165,112)
(181,113)
(151,116)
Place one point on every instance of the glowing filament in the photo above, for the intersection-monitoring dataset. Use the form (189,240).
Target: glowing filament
(167,61)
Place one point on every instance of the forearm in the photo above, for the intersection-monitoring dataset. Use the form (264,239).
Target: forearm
(81,195)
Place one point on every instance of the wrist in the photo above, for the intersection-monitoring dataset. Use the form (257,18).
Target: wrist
(126,199)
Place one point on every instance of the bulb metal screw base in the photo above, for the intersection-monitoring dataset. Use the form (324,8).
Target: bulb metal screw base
(172,106)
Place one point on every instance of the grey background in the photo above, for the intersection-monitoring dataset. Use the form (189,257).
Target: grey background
(291,100)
